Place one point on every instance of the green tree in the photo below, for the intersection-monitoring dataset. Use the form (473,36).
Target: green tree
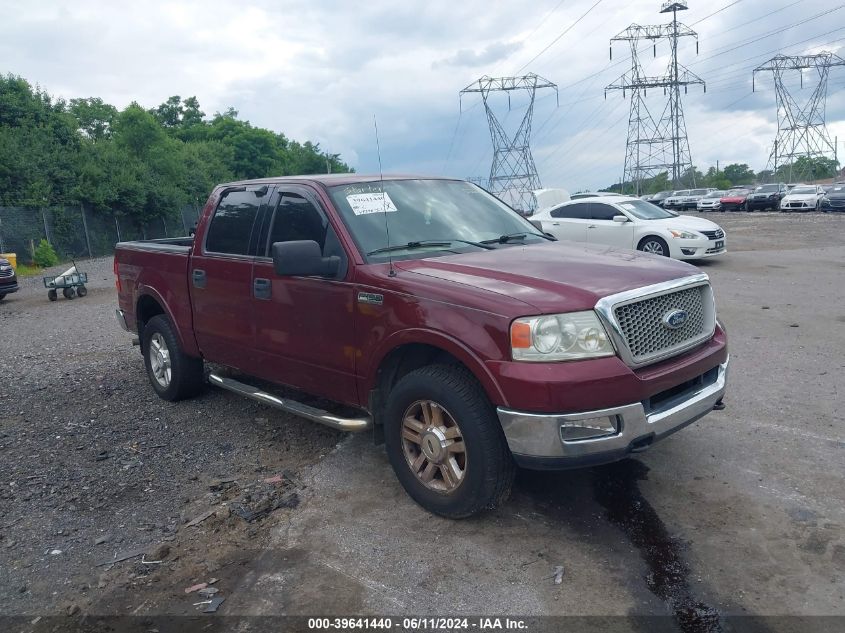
(739,174)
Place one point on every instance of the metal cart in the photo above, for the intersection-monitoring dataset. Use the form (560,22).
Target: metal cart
(71,283)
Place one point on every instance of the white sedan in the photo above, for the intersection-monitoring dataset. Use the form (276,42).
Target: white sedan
(802,198)
(635,224)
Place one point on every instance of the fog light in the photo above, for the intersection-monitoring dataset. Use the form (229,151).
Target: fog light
(589,428)
(688,251)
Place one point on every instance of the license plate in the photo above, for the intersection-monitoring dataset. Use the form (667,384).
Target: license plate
(720,244)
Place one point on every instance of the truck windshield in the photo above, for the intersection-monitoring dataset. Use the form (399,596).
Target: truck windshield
(430,217)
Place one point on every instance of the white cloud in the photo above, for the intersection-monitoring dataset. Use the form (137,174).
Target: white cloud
(320,70)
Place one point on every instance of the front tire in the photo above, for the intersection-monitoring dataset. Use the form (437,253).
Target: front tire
(445,442)
(654,245)
(173,374)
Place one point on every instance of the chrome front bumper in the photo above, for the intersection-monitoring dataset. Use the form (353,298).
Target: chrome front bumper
(536,439)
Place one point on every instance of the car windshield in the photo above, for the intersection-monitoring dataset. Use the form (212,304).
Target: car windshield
(715,194)
(736,192)
(698,192)
(803,190)
(645,210)
(685,192)
(450,214)
(766,189)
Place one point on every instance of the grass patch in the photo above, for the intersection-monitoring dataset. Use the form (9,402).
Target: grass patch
(25,270)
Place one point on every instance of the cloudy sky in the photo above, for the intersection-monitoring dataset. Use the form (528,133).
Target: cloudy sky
(319,70)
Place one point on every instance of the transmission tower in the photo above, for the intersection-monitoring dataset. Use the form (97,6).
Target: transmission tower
(801,127)
(513,175)
(656,145)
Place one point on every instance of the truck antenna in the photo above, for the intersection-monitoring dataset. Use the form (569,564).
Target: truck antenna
(392,271)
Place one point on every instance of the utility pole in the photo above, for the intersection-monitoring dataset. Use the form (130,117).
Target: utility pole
(513,174)
(801,126)
(655,145)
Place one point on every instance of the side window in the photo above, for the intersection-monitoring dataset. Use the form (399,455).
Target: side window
(231,227)
(600,211)
(296,218)
(577,211)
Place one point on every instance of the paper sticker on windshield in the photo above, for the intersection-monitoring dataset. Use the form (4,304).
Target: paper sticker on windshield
(366,203)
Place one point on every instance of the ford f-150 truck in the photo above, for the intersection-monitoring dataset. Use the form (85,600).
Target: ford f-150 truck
(434,315)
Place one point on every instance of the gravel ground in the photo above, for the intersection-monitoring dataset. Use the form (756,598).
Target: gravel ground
(94,465)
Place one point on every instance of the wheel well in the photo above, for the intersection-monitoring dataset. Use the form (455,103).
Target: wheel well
(397,364)
(650,237)
(406,358)
(147,308)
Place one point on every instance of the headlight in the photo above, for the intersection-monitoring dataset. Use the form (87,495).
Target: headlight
(684,235)
(556,337)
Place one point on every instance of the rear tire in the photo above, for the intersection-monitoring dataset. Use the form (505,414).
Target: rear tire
(81,291)
(439,423)
(654,245)
(173,374)
(52,295)
(68,293)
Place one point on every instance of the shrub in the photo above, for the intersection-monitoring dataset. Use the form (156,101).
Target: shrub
(44,255)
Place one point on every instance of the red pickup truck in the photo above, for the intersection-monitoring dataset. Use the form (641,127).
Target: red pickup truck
(433,314)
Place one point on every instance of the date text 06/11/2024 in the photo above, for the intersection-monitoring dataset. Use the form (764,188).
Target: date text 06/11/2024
(417,624)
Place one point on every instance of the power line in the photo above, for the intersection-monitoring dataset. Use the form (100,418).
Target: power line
(557,39)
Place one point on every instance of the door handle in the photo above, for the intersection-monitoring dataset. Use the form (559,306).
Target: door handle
(592,226)
(262,288)
(198,277)
(555,223)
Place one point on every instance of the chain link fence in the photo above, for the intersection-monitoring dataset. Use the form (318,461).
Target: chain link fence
(77,232)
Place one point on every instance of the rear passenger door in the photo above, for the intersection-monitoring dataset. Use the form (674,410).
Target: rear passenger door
(570,221)
(220,279)
(304,325)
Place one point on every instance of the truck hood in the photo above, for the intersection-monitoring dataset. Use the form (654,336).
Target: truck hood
(553,277)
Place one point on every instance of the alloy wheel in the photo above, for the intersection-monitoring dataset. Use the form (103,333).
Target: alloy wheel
(160,360)
(434,446)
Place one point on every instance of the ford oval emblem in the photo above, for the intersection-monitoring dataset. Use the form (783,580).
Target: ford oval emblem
(675,319)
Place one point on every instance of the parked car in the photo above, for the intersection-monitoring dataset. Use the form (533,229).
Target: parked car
(734,200)
(660,197)
(766,197)
(802,198)
(8,278)
(634,224)
(675,201)
(432,315)
(690,201)
(834,200)
(592,194)
(711,202)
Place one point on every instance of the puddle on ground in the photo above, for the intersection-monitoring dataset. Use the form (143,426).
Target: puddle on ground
(616,488)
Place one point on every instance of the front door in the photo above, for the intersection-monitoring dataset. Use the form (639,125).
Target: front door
(603,230)
(304,325)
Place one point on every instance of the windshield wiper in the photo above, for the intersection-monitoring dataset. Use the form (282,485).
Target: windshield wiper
(504,239)
(426,244)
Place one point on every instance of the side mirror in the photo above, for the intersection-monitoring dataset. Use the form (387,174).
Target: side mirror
(537,225)
(620,218)
(303,258)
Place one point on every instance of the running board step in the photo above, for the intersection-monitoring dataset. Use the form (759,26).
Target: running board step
(292,406)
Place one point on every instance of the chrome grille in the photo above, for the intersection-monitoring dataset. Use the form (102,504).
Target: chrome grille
(641,323)
(7,273)
(714,235)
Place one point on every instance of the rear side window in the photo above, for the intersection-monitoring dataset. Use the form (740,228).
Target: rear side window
(578,211)
(231,227)
(296,218)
